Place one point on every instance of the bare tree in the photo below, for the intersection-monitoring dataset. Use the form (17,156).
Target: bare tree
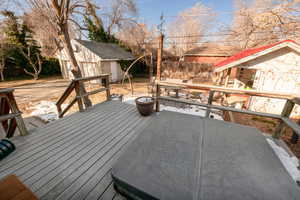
(59,13)
(4,51)
(36,65)
(120,13)
(194,21)
(43,31)
(264,21)
(139,37)
(91,10)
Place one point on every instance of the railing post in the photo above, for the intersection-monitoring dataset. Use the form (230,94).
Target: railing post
(227,77)
(286,112)
(78,95)
(157,97)
(59,111)
(209,102)
(14,109)
(107,87)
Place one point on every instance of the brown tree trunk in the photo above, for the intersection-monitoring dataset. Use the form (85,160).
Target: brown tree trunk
(2,75)
(2,64)
(75,67)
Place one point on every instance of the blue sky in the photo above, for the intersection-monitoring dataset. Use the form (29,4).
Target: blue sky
(150,10)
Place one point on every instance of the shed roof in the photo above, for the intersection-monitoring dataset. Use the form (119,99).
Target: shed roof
(106,51)
(250,54)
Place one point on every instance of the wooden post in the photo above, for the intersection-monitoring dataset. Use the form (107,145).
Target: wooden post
(295,136)
(79,96)
(286,112)
(209,102)
(221,78)
(59,110)
(19,120)
(4,109)
(159,56)
(107,88)
(218,78)
(12,127)
(157,98)
(176,93)
(151,68)
(227,77)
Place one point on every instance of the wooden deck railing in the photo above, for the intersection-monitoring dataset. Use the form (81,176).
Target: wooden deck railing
(291,100)
(75,86)
(10,115)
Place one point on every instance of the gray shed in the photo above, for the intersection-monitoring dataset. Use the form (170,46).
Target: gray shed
(95,58)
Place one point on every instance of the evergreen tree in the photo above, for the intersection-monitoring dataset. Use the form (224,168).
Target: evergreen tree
(97,33)
(26,52)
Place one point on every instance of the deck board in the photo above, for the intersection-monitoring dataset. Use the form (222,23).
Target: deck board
(55,148)
(71,158)
(109,193)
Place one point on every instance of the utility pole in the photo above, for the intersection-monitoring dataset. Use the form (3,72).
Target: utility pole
(160,48)
(151,67)
(159,56)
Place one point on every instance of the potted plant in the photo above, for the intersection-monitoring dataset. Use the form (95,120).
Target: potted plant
(145,105)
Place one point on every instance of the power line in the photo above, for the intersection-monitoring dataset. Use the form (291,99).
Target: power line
(225,34)
(206,42)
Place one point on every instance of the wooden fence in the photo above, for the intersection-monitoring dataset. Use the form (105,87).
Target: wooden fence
(197,72)
(284,117)
(75,85)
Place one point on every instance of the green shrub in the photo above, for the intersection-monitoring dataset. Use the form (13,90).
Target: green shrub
(50,67)
(139,68)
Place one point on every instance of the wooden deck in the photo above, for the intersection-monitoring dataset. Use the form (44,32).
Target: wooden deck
(72,157)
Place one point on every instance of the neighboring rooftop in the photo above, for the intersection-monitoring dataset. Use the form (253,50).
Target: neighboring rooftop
(213,50)
(107,51)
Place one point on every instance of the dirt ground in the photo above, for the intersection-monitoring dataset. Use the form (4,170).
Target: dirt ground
(267,125)
(29,92)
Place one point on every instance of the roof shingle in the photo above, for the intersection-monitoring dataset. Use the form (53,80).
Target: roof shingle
(107,51)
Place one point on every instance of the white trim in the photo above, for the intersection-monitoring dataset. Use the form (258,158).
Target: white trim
(101,59)
(209,55)
(261,53)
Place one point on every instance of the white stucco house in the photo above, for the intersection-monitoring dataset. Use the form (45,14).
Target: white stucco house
(273,68)
(95,58)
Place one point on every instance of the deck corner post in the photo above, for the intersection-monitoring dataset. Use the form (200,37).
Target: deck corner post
(286,112)
(59,110)
(78,96)
(106,79)
(209,102)
(157,97)
(18,119)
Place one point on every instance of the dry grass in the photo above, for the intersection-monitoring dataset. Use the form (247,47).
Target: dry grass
(17,83)
(53,90)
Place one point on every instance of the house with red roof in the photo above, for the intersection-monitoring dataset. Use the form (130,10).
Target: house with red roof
(274,68)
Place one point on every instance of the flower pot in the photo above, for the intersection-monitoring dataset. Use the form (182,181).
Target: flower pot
(145,105)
